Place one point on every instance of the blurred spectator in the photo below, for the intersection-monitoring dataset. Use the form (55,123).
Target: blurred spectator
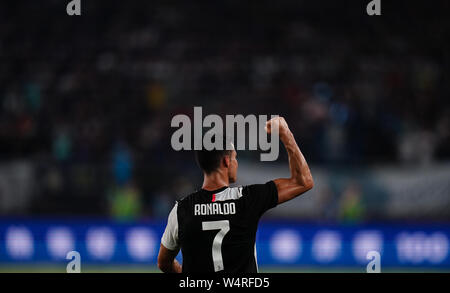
(125,203)
(417,147)
(327,203)
(62,144)
(351,207)
(122,164)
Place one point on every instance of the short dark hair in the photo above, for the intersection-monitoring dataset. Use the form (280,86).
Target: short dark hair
(209,161)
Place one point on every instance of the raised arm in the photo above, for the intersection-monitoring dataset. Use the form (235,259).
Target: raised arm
(301,179)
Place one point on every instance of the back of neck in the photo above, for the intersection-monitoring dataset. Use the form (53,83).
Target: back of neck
(215,180)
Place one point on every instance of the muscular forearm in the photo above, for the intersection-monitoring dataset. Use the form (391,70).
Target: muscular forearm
(300,172)
(301,178)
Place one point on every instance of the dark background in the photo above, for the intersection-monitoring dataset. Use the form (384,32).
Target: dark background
(86,101)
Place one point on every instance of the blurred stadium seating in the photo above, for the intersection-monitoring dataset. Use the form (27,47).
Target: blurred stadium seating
(86,104)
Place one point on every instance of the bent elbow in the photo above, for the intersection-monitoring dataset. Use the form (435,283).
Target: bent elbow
(310,184)
(162,266)
(307,183)
(305,186)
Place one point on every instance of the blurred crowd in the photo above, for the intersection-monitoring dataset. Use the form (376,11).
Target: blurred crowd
(88,100)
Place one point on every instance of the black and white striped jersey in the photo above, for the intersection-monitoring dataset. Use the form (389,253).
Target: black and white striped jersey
(216,230)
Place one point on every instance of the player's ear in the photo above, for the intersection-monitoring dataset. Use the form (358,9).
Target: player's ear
(226,161)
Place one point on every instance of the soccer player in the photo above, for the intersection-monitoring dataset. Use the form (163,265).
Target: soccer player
(215,227)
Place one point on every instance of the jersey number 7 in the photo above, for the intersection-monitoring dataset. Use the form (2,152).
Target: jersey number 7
(224,227)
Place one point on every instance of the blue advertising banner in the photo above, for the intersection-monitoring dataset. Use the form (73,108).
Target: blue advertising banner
(278,243)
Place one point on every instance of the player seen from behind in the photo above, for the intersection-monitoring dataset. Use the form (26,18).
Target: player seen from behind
(215,227)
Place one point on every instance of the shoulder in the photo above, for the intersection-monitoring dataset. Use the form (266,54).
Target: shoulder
(187,198)
(230,193)
(233,193)
(269,185)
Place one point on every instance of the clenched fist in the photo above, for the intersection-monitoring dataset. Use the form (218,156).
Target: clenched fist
(280,124)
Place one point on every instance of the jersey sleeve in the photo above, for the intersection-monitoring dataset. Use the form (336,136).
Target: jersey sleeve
(170,236)
(261,197)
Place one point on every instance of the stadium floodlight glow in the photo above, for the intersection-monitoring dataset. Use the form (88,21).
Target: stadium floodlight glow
(19,243)
(366,241)
(141,244)
(438,248)
(327,246)
(286,246)
(101,243)
(417,247)
(60,241)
